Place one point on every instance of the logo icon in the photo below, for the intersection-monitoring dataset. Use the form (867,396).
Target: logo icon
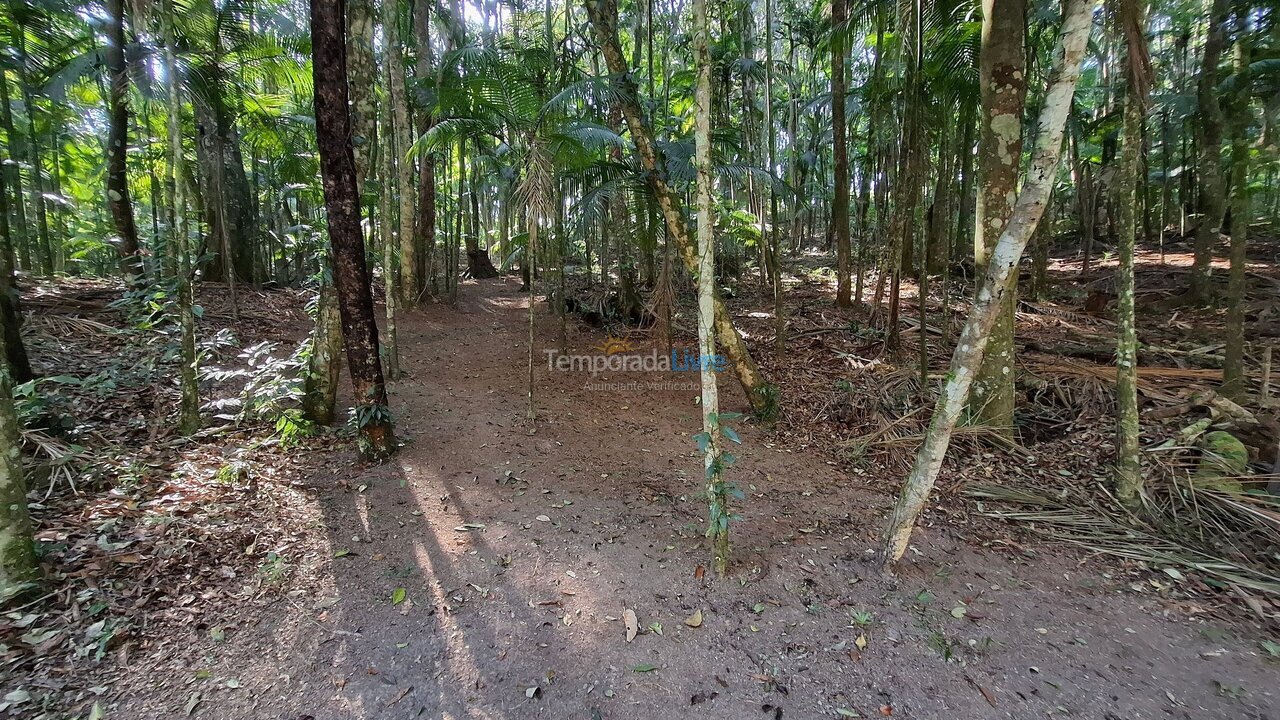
(616,346)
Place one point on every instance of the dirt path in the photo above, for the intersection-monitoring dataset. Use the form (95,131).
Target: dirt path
(518,553)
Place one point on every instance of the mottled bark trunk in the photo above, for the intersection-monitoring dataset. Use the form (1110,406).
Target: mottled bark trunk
(18,568)
(604,18)
(716,491)
(228,208)
(1001,267)
(1128,472)
(351,276)
(424,226)
(20,247)
(1003,89)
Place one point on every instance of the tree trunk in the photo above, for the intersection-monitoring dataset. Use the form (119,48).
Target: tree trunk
(840,150)
(1209,162)
(1233,380)
(1001,267)
(15,351)
(189,406)
(1128,474)
(604,19)
(18,568)
(1002,77)
(351,276)
(118,145)
(402,128)
(717,494)
(20,246)
(324,365)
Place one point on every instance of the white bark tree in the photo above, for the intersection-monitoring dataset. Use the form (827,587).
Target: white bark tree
(1001,268)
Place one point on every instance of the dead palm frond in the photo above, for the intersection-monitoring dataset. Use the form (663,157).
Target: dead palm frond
(1229,537)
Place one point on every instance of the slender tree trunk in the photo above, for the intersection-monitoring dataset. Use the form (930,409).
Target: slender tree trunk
(1002,77)
(1001,267)
(189,406)
(1209,162)
(604,18)
(324,365)
(1233,379)
(771,143)
(717,494)
(21,245)
(402,128)
(118,145)
(15,351)
(351,276)
(390,272)
(840,148)
(1128,474)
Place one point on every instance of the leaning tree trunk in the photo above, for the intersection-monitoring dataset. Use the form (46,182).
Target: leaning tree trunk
(350,274)
(1128,477)
(840,149)
(604,19)
(118,145)
(1209,162)
(1002,78)
(1001,267)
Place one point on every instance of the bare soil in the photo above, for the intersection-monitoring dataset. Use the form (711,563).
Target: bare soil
(519,548)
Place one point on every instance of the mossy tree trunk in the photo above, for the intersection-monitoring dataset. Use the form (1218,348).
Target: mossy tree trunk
(1002,76)
(1233,379)
(118,199)
(1128,471)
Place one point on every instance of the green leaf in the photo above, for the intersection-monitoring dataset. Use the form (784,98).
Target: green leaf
(729,433)
(645,667)
(398,595)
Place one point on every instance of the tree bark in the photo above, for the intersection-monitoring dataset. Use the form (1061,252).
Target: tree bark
(716,491)
(408,281)
(840,150)
(189,406)
(18,568)
(350,274)
(604,19)
(1128,472)
(1233,379)
(1001,267)
(1209,142)
(118,145)
(1003,89)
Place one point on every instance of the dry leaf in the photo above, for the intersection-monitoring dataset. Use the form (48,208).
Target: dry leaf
(861,642)
(632,623)
(694,620)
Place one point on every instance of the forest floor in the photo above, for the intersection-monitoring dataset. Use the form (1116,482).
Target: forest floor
(490,569)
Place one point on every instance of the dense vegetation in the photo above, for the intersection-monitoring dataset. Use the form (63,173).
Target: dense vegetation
(612,153)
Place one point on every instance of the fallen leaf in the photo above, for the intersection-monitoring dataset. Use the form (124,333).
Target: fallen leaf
(886,710)
(861,642)
(694,620)
(398,595)
(644,667)
(633,624)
